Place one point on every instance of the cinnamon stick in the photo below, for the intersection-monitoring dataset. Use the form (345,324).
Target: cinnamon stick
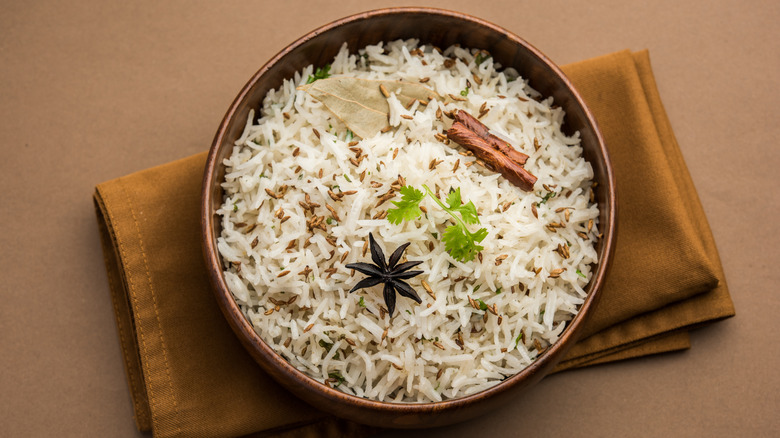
(483,132)
(510,169)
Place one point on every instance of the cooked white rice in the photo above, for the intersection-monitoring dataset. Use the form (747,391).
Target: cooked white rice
(415,356)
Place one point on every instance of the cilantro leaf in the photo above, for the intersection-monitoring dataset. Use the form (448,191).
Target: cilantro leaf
(459,242)
(408,208)
(481,57)
(361,303)
(546,198)
(519,338)
(320,73)
(482,305)
(468,211)
(339,378)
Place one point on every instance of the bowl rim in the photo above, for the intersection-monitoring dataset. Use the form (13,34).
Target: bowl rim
(274,363)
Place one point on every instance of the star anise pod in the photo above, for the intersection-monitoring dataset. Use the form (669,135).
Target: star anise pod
(391,274)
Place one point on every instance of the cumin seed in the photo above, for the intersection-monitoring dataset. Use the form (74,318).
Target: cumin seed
(555,273)
(384,91)
(316,133)
(282,274)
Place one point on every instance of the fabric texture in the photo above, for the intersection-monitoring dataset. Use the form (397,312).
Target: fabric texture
(189,375)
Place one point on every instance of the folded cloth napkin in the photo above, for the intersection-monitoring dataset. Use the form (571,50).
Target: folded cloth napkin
(189,375)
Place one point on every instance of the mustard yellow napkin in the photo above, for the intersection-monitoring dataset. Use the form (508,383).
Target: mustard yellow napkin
(189,376)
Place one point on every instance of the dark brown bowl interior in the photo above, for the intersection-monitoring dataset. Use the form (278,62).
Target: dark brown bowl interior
(441,28)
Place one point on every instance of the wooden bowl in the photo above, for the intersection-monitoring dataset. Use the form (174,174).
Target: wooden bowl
(441,28)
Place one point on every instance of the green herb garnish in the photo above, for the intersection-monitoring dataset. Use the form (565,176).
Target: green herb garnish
(361,303)
(348,136)
(498,290)
(482,305)
(476,288)
(320,73)
(459,242)
(339,378)
(519,338)
(465,92)
(581,274)
(481,57)
(235,207)
(325,345)
(546,198)
(347,178)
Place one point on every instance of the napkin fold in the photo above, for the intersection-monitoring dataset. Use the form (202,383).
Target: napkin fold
(189,375)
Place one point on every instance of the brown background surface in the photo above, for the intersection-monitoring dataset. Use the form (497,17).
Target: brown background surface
(90,91)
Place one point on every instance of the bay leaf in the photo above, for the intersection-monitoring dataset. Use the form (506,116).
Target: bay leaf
(360,104)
